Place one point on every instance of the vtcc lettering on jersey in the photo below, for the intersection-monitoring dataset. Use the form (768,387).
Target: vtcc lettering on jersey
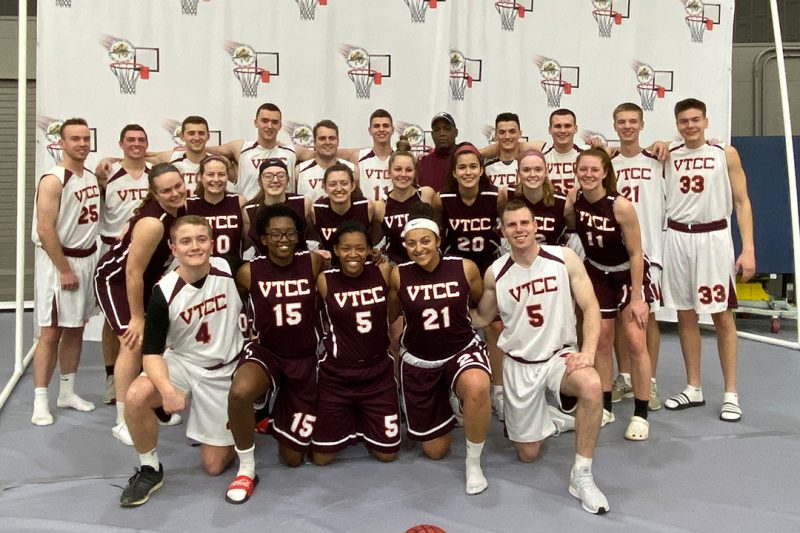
(434,291)
(363,297)
(534,286)
(205,308)
(285,288)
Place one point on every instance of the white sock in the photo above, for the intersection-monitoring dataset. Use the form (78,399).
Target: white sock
(583,465)
(120,413)
(626,376)
(150,459)
(41,408)
(67,396)
(695,394)
(476,481)
(652,380)
(247,461)
(497,390)
(731,397)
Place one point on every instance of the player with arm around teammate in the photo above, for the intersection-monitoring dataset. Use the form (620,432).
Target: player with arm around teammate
(191,344)
(283,356)
(534,288)
(441,351)
(608,228)
(357,391)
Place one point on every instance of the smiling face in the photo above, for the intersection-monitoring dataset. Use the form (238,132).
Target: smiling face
(422,246)
(169,190)
(195,136)
(468,170)
(76,142)
(380,129)
(519,228)
(214,178)
(352,251)
(531,172)
(563,129)
(274,181)
(590,172)
(268,123)
(192,245)
(326,142)
(402,172)
(692,124)
(339,187)
(134,145)
(280,238)
(628,124)
(507,134)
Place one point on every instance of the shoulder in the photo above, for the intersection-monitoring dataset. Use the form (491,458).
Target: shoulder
(365,154)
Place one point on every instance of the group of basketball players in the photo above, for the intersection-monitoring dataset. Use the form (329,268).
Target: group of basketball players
(290,290)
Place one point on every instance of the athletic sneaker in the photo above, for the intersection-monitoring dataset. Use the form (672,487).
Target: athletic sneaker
(455,405)
(110,395)
(562,421)
(497,405)
(145,481)
(582,486)
(654,404)
(621,389)
(608,418)
(121,433)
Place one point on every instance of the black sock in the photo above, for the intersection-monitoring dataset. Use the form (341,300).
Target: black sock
(640,408)
(607,401)
(109,370)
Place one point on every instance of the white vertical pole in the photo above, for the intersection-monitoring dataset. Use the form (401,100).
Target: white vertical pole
(22,112)
(787,134)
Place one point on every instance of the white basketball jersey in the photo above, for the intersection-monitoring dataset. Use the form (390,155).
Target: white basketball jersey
(373,175)
(309,179)
(561,167)
(78,218)
(502,173)
(204,321)
(251,157)
(640,180)
(536,306)
(123,194)
(189,169)
(697,183)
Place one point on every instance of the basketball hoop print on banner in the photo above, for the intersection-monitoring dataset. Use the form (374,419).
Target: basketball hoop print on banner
(251,67)
(464,72)
(365,69)
(651,84)
(557,79)
(130,63)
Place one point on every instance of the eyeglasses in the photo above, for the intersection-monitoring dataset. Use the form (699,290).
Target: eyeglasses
(270,176)
(277,236)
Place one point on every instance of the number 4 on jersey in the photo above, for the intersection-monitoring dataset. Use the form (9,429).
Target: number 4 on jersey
(203,335)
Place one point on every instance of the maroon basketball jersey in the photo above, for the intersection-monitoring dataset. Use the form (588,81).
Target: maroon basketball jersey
(111,267)
(470,231)
(550,222)
(296,202)
(357,313)
(394,220)
(599,231)
(226,222)
(326,220)
(436,309)
(283,303)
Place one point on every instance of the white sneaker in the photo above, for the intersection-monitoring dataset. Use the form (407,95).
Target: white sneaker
(562,421)
(621,389)
(121,433)
(654,403)
(608,418)
(498,405)
(110,394)
(582,486)
(455,404)
(174,420)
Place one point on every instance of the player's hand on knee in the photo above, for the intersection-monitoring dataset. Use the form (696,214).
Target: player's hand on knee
(69,280)
(577,360)
(132,338)
(640,312)
(173,400)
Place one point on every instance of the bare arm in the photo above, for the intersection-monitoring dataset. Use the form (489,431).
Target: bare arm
(174,400)
(625,214)
(744,213)
(493,150)
(426,194)
(569,208)
(436,204)
(145,238)
(394,301)
(487,307)
(583,292)
(351,154)
(232,150)
(378,209)
(48,205)
(322,285)
(473,276)
(303,153)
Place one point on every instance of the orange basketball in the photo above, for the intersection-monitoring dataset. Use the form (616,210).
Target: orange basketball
(425,528)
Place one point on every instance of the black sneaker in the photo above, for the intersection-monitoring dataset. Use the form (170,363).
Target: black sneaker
(145,481)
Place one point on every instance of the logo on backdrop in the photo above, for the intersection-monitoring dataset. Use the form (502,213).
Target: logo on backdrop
(610,13)
(651,83)
(189,7)
(557,79)
(509,11)
(417,137)
(309,7)
(700,17)
(365,69)
(489,132)
(595,138)
(464,71)
(299,133)
(130,63)
(418,8)
(63,3)
(51,127)
(173,127)
(251,67)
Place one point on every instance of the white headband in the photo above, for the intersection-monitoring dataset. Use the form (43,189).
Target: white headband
(420,223)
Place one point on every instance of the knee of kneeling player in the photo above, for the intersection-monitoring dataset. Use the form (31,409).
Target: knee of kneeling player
(384,457)
(528,454)
(214,466)
(322,459)
(435,451)
(290,457)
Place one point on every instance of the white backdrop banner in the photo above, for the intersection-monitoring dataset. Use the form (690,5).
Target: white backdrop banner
(154,62)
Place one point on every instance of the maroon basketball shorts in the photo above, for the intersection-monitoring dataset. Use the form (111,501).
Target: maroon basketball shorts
(112,297)
(426,387)
(613,288)
(357,405)
(294,411)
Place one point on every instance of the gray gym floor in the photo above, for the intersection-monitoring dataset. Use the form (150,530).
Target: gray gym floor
(695,473)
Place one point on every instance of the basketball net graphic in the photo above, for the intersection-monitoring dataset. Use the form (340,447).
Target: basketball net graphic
(63,3)
(189,7)
(460,79)
(696,20)
(124,65)
(418,8)
(360,73)
(416,138)
(648,89)
(605,16)
(552,84)
(246,68)
(509,11)
(308,8)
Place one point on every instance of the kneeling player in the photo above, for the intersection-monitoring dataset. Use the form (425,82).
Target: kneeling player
(191,342)
(357,391)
